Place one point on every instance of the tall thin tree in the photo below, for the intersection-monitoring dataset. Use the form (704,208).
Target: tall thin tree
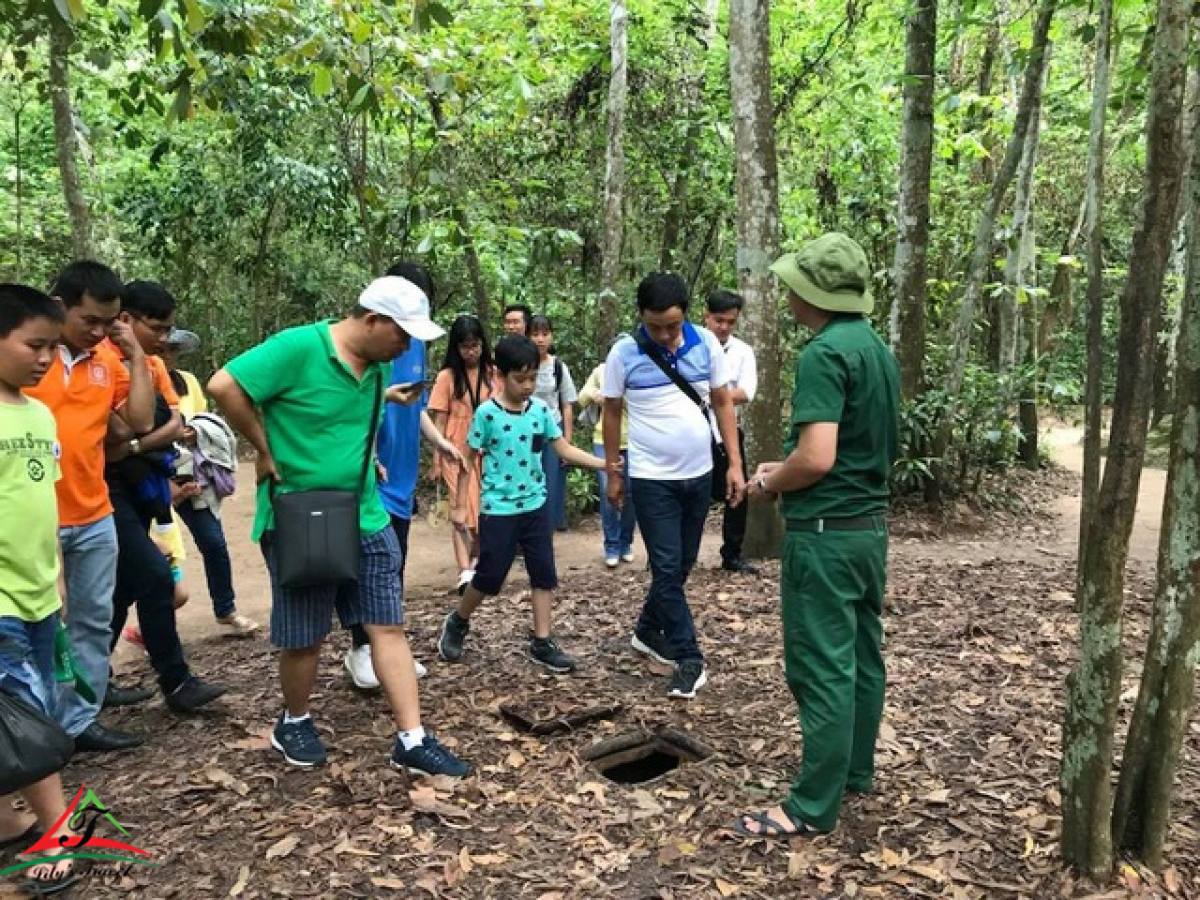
(1094,686)
(66,139)
(608,321)
(916,167)
(758,242)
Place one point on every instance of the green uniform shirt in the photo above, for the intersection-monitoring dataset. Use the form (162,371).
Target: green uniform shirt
(511,444)
(317,415)
(847,375)
(29,454)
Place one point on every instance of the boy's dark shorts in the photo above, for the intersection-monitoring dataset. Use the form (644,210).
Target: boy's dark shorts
(499,538)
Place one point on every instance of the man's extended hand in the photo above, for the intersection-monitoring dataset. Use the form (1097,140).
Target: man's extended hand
(735,486)
(616,486)
(264,468)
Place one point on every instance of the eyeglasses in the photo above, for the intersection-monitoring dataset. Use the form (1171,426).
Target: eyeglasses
(156,330)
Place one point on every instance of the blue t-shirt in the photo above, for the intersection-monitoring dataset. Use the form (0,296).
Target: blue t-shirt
(399,447)
(511,444)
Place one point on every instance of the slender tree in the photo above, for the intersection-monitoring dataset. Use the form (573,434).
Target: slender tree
(985,228)
(1094,686)
(916,166)
(758,242)
(1092,218)
(608,321)
(66,141)
(1160,717)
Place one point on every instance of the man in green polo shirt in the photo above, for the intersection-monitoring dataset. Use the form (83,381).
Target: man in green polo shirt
(835,489)
(316,388)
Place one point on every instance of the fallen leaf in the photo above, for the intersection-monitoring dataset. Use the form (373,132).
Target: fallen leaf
(726,889)
(464,861)
(242,880)
(387,881)
(283,847)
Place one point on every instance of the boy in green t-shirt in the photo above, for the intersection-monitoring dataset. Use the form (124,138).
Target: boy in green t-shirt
(509,432)
(30,568)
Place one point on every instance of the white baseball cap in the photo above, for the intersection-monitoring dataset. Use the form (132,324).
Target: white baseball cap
(404,303)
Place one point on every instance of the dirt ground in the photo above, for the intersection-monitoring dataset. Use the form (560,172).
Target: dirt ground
(981,633)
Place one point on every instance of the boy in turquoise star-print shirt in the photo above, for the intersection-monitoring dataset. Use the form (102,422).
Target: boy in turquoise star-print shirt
(510,431)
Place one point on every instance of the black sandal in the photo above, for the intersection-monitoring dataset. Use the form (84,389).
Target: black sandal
(28,836)
(771,828)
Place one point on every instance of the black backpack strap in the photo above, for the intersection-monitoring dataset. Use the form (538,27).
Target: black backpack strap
(372,432)
(652,351)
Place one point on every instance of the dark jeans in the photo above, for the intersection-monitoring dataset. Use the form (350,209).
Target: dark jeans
(210,540)
(358,634)
(670,515)
(556,487)
(144,581)
(733,523)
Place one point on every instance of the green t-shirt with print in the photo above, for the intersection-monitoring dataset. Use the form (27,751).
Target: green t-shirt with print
(317,416)
(847,375)
(29,453)
(511,444)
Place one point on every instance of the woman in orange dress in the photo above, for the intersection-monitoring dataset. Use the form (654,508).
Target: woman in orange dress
(464,382)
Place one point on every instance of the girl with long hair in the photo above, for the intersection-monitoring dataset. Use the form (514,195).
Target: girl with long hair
(464,382)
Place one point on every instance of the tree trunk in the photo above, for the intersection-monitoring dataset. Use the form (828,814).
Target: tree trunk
(758,244)
(1017,263)
(66,143)
(981,254)
(1094,686)
(1093,226)
(916,164)
(1160,717)
(609,318)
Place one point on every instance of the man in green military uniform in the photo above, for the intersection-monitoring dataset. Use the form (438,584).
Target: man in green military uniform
(835,489)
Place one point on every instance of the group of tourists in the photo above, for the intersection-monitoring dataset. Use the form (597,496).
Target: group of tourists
(335,412)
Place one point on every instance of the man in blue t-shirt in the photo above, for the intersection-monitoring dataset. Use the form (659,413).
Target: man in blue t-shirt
(398,451)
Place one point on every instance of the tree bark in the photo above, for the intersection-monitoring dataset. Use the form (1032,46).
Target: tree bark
(608,321)
(916,165)
(981,254)
(66,142)
(1017,263)
(1094,686)
(758,244)
(1160,717)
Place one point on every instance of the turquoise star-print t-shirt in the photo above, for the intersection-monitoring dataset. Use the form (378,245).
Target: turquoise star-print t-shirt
(511,444)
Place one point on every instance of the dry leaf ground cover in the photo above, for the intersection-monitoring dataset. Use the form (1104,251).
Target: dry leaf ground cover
(966,806)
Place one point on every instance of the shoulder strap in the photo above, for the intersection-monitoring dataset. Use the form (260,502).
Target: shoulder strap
(372,433)
(651,350)
(558,377)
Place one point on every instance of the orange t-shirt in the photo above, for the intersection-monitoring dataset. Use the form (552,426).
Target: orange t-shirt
(82,400)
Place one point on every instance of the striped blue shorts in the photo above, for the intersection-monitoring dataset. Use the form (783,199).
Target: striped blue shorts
(303,617)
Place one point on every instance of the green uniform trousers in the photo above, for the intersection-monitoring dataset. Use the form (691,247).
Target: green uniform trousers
(832,587)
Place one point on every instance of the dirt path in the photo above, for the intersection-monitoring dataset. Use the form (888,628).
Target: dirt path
(431,570)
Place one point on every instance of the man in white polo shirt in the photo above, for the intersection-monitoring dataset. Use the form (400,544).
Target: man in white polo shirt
(723,309)
(669,459)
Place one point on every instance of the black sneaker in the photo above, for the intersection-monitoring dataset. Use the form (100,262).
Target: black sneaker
(651,644)
(739,565)
(299,743)
(193,694)
(689,677)
(546,652)
(429,759)
(454,632)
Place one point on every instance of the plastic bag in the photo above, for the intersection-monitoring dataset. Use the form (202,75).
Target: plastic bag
(32,745)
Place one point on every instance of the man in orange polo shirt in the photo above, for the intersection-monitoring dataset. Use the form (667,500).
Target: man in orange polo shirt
(139,482)
(87,383)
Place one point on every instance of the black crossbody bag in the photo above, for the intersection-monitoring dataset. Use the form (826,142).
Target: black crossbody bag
(720,457)
(317,540)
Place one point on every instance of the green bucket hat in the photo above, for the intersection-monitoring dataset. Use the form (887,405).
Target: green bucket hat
(831,273)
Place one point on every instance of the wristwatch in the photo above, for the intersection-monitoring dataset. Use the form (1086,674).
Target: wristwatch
(761,482)
(135,446)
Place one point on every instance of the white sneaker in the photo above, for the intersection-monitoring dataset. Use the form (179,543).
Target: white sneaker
(611,561)
(627,557)
(362,672)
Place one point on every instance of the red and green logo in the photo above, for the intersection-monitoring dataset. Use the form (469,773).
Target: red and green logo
(85,814)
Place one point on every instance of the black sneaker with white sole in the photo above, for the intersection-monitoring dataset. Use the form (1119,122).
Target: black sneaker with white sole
(689,677)
(298,742)
(454,633)
(428,758)
(652,644)
(546,652)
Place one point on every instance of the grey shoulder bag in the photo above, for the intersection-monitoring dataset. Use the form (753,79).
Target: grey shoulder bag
(317,539)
